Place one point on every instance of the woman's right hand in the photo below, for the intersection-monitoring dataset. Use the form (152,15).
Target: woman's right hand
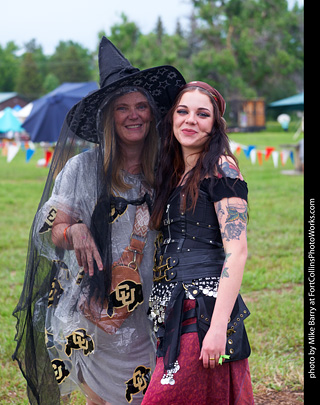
(84,247)
(213,346)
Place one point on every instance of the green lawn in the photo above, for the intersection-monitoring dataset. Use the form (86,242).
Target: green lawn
(273,280)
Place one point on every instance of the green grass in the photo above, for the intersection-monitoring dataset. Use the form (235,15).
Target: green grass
(273,280)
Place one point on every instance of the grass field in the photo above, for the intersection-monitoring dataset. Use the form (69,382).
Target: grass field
(273,280)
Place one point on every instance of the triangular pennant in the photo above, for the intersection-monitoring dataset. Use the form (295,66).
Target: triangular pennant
(13,149)
(269,150)
(48,156)
(238,150)
(292,156)
(284,156)
(247,150)
(275,158)
(253,155)
(259,154)
(5,149)
(29,154)
(233,146)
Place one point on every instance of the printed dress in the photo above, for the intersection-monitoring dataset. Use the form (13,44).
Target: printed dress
(188,264)
(117,367)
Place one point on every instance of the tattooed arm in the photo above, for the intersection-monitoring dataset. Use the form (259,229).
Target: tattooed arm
(232,216)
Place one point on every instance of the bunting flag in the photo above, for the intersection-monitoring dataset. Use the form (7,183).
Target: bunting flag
(275,158)
(248,150)
(48,156)
(292,156)
(4,147)
(284,156)
(13,149)
(253,156)
(10,148)
(29,154)
(253,153)
(269,150)
(30,149)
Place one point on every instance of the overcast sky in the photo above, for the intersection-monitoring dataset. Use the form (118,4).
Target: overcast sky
(80,21)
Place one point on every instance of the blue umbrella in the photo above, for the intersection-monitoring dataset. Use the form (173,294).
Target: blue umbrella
(8,122)
(48,113)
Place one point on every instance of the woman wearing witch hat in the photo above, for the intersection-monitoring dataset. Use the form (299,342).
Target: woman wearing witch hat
(82,315)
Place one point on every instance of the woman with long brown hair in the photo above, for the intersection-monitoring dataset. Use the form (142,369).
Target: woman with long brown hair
(82,318)
(201,210)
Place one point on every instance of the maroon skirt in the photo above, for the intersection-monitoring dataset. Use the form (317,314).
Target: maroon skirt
(228,384)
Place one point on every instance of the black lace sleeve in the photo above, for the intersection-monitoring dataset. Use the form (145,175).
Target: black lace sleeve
(225,187)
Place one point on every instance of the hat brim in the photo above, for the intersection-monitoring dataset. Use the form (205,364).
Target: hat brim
(162,82)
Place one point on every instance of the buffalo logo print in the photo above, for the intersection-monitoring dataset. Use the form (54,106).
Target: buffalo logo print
(80,276)
(61,265)
(127,293)
(55,292)
(47,226)
(79,340)
(138,383)
(117,210)
(60,371)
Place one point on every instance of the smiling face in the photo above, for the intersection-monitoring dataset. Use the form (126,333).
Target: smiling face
(132,115)
(193,120)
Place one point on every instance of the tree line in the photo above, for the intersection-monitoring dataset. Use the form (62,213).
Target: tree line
(245,48)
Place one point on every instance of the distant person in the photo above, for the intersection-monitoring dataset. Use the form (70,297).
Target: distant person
(201,210)
(301,153)
(284,121)
(82,316)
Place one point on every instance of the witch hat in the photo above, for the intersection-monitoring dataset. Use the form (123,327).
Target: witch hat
(162,83)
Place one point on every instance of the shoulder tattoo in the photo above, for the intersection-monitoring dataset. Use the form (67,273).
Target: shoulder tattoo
(231,170)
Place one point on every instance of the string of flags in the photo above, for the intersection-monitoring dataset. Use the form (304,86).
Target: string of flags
(11,148)
(254,154)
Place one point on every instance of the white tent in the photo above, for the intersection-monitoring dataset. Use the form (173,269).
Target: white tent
(24,112)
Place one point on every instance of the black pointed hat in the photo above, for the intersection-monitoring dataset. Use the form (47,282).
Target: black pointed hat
(162,83)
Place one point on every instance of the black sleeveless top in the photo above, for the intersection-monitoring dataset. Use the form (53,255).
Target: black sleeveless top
(190,249)
(199,229)
(188,261)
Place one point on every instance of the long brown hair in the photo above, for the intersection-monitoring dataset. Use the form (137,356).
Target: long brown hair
(172,166)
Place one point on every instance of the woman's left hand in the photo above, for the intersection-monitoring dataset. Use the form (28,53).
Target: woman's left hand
(213,346)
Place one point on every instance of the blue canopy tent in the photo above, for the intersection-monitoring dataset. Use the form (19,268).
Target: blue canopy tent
(8,122)
(294,103)
(48,113)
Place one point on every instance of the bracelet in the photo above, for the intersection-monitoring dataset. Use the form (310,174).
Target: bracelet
(65,233)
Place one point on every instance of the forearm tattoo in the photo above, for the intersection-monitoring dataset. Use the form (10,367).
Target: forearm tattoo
(224,272)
